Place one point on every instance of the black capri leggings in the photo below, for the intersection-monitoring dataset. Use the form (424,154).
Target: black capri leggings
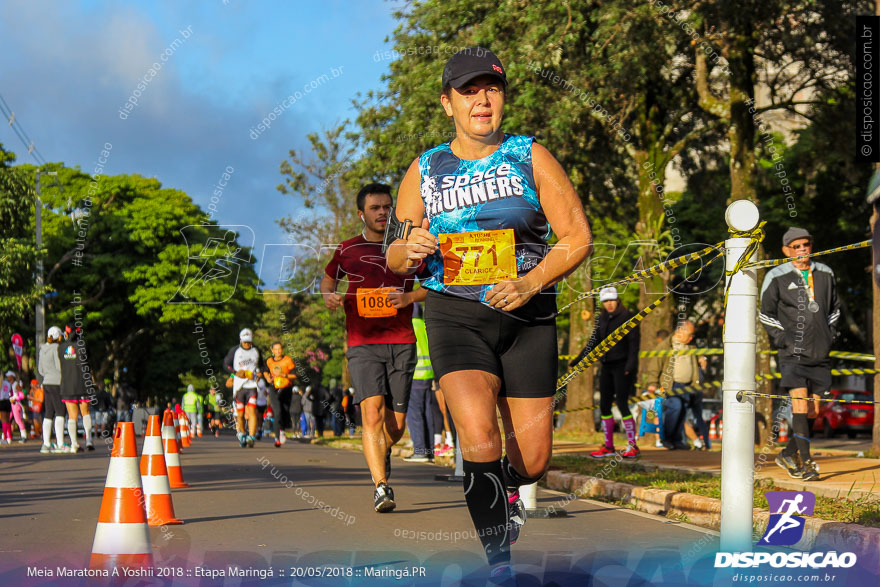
(52,400)
(615,386)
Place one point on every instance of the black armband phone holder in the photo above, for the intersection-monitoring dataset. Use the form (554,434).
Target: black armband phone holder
(395,229)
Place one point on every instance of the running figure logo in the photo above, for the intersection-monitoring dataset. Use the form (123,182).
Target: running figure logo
(213,264)
(786,526)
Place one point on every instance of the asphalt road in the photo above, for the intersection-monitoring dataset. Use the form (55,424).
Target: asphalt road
(260,509)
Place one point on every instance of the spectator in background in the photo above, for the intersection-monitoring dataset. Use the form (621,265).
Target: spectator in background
(192,407)
(618,375)
(296,412)
(419,414)
(319,402)
(35,405)
(18,409)
(262,403)
(49,367)
(125,396)
(213,411)
(103,405)
(671,374)
(350,410)
(308,400)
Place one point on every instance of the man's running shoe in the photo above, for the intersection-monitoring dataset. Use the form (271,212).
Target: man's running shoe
(90,447)
(810,471)
(516,515)
(277,444)
(632,452)
(242,439)
(388,465)
(250,442)
(417,458)
(45,449)
(791,467)
(603,452)
(383,499)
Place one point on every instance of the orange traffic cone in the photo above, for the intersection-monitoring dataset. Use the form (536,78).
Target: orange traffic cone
(199,425)
(783,432)
(172,455)
(720,429)
(176,421)
(154,475)
(122,537)
(713,430)
(183,422)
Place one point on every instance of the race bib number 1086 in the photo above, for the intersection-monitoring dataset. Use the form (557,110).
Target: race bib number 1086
(375,303)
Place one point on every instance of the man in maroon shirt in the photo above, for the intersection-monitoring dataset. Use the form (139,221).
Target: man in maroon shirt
(381,343)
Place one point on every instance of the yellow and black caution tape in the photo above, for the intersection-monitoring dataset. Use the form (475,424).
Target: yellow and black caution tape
(706,385)
(609,341)
(775,262)
(810,399)
(852,356)
(651,272)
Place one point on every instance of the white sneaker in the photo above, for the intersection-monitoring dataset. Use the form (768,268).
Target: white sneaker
(698,443)
(659,443)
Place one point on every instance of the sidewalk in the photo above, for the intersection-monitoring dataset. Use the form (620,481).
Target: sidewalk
(840,474)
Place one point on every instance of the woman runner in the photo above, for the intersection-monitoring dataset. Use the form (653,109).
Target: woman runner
(484,206)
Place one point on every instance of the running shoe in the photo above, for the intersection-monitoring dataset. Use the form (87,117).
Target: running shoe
(383,499)
(90,447)
(22,440)
(659,443)
(810,471)
(57,450)
(277,444)
(516,515)
(813,464)
(603,452)
(791,467)
(632,452)
(242,439)
(388,465)
(250,442)
(416,458)
(698,444)
(45,449)
(501,575)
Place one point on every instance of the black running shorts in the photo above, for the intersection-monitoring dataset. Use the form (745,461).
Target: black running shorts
(816,378)
(467,335)
(383,369)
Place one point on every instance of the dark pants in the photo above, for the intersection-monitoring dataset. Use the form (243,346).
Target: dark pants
(694,401)
(279,399)
(296,411)
(673,417)
(615,386)
(419,417)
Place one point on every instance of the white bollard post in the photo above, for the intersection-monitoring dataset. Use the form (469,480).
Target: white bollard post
(529,496)
(737,448)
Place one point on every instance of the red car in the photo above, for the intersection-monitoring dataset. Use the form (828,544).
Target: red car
(839,416)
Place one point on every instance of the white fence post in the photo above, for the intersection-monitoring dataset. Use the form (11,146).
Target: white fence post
(737,448)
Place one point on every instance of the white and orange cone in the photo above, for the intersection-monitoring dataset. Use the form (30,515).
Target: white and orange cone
(783,432)
(183,421)
(122,538)
(172,454)
(154,476)
(713,430)
(199,425)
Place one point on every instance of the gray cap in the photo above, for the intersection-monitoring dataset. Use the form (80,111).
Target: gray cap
(190,388)
(794,233)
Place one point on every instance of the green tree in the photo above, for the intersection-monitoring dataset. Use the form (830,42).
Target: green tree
(18,255)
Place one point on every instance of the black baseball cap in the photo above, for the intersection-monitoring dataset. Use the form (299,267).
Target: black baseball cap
(470,63)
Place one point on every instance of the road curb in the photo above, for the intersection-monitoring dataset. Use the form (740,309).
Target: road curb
(819,535)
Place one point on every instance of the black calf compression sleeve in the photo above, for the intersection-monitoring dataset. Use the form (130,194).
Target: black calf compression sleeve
(487,503)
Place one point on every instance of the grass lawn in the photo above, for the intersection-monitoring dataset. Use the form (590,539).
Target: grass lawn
(861,511)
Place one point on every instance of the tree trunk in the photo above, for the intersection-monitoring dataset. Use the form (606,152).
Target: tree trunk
(580,390)
(652,176)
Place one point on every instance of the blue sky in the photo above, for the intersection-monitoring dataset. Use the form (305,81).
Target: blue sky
(66,69)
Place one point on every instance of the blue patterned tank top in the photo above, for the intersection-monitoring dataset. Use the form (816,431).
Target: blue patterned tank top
(494,193)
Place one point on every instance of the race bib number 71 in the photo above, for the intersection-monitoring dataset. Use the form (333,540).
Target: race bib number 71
(479,257)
